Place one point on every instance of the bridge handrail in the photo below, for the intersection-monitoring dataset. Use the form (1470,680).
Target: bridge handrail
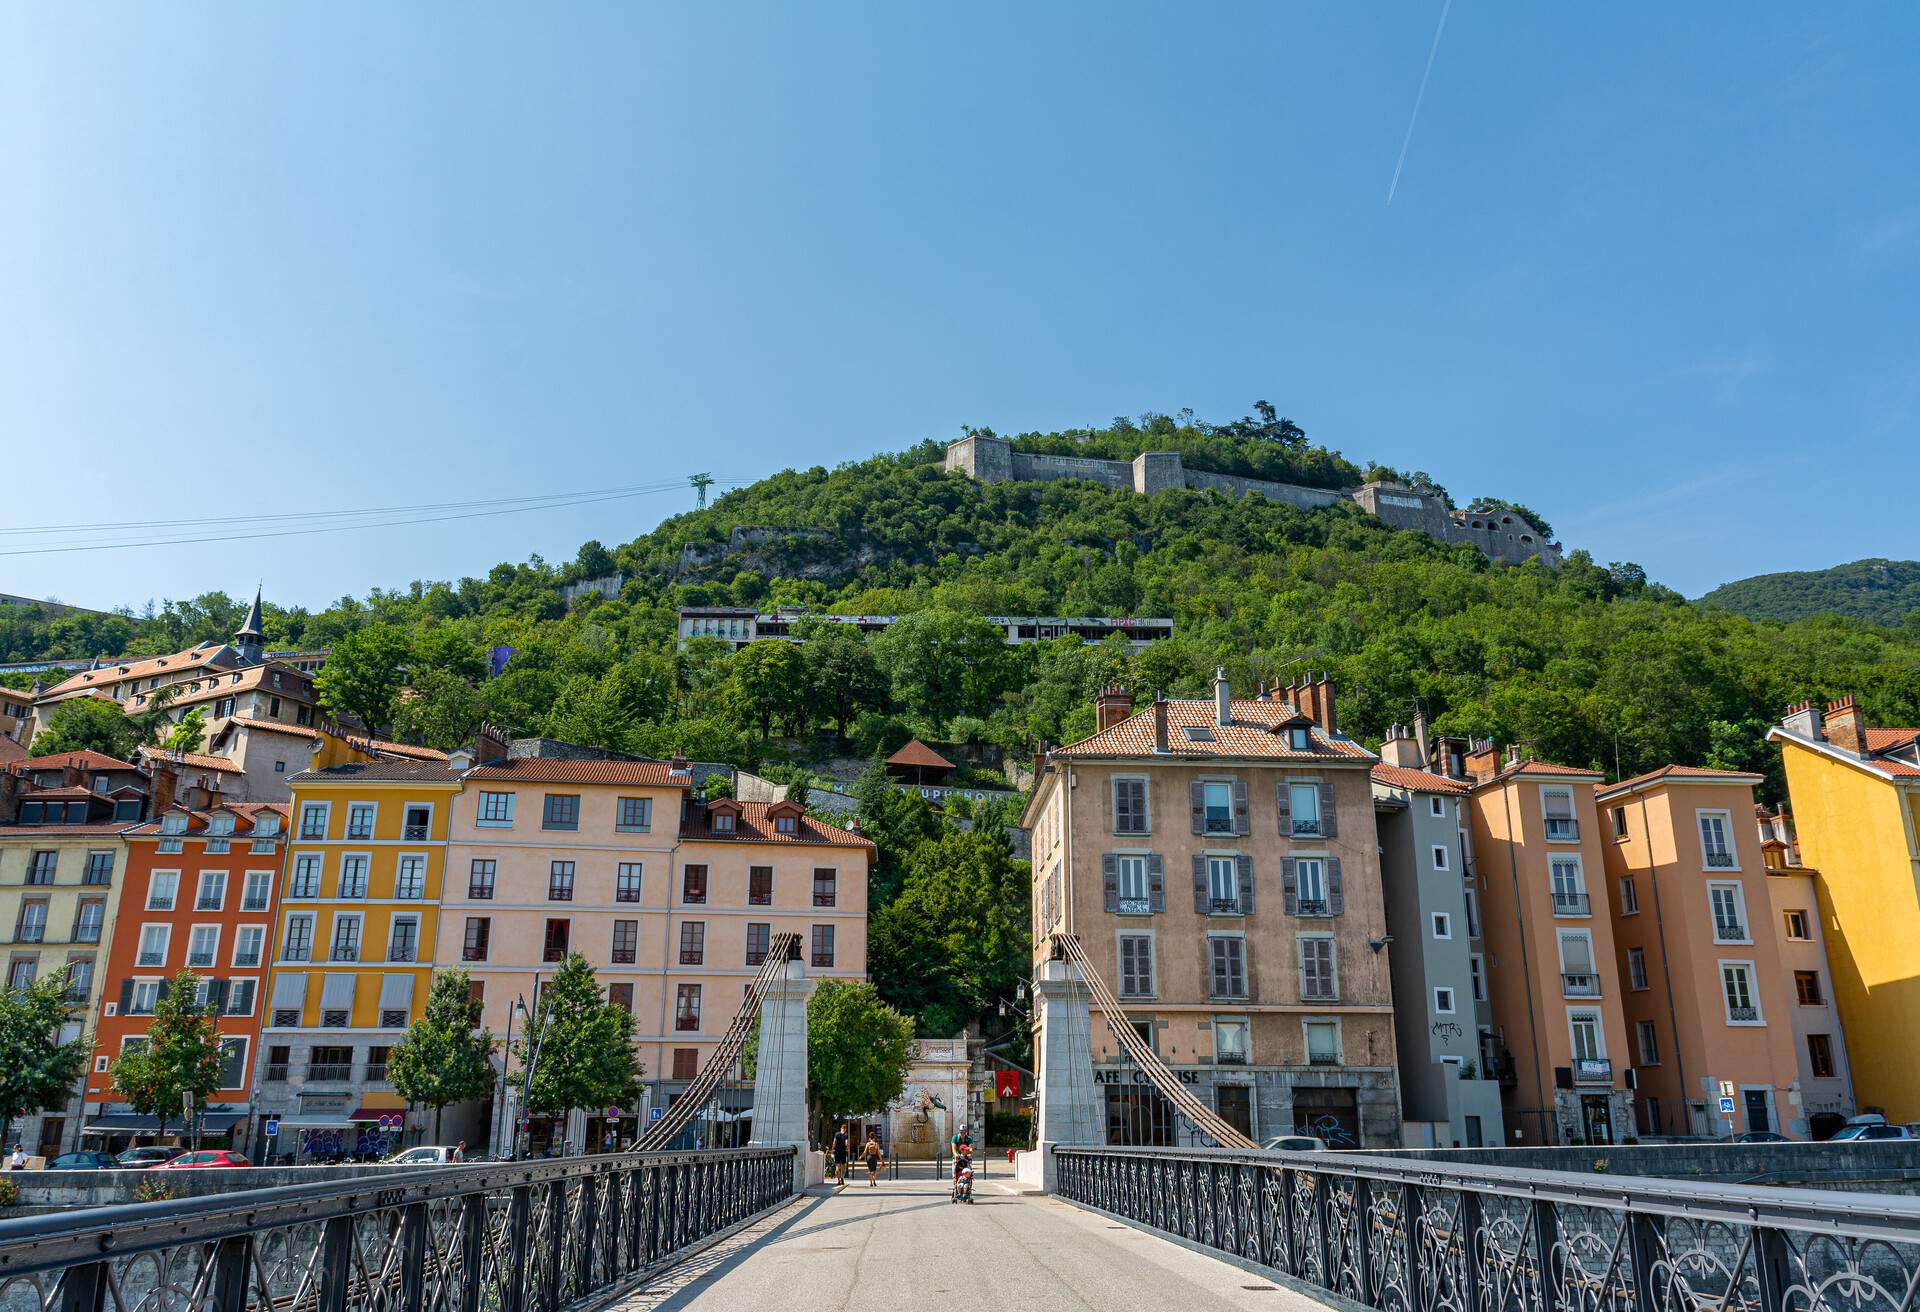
(1369,1229)
(668,1200)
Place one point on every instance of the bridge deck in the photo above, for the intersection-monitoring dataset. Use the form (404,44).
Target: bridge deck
(903,1247)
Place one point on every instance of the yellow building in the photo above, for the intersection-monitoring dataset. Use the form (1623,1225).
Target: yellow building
(353,947)
(59,892)
(1856,804)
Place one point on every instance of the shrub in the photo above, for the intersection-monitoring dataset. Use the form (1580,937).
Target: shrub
(9,1193)
(152,1189)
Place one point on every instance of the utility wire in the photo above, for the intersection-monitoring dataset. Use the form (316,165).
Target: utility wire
(576,500)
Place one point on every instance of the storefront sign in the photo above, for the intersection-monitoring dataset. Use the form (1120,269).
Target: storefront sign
(1140,1077)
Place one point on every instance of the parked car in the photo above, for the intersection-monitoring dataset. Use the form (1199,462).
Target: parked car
(1295,1143)
(206,1157)
(424,1156)
(1857,1133)
(84,1161)
(1761,1136)
(140,1158)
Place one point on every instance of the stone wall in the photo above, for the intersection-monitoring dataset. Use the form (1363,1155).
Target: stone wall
(61,1189)
(1887,1166)
(1501,535)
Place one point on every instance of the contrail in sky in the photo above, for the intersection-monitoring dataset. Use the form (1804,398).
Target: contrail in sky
(1401,163)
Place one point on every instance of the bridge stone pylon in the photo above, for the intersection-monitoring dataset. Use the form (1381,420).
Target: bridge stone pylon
(1067,1106)
(780,1076)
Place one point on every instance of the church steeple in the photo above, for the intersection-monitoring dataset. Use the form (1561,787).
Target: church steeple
(249,638)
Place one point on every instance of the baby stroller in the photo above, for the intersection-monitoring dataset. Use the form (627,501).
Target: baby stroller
(963,1178)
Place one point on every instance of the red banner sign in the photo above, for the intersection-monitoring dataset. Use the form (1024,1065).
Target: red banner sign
(1006,1085)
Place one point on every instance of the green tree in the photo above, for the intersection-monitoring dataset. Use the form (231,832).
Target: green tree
(942,662)
(767,681)
(897,821)
(447,1055)
(439,709)
(178,1063)
(189,735)
(364,674)
(858,1049)
(586,1045)
(843,675)
(38,1072)
(955,943)
(88,724)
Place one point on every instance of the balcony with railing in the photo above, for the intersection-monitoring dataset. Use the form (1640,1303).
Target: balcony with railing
(1224,906)
(402,952)
(1729,931)
(1230,1058)
(414,833)
(1719,858)
(1592,1070)
(1323,1059)
(328,1072)
(1313,908)
(274,1072)
(1307,828)
(1747,1015)
(1562,829)
(1579,984)
(1569,903)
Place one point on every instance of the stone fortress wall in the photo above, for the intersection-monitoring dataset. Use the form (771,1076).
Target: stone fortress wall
(1499,534)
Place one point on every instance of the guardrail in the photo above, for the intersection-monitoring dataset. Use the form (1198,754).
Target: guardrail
(1415,1237)
(499,1237)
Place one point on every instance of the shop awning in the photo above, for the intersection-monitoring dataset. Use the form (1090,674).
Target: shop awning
(374,1113)
(289,991)
(211,1122)
(336,992)
(396,993)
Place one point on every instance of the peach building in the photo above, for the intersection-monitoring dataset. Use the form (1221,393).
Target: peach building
(673,901)
(1708,1011)
(1556,1003)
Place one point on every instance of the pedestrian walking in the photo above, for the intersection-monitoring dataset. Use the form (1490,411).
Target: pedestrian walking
(840,1150)
(460,1151)
(871,1151)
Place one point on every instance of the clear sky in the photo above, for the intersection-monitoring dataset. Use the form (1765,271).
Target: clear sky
(1653,270)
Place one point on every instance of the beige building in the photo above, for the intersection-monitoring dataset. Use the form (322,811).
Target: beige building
(1799,925)
(673,901)
(1708,1006)
(1219,864)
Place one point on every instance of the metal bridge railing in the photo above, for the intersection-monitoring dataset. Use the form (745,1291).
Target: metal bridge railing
(1404,1235)
(508,1237)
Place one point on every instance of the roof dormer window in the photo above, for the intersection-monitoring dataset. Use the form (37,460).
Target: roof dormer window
(173,822)
(723,822)
(1300,738)
(785,824)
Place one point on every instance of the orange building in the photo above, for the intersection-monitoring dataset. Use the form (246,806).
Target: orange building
(198,895)
(1549,946)
(1708,1012)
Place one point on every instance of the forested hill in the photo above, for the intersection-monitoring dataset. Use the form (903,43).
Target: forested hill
(1591,664)
(1880,591)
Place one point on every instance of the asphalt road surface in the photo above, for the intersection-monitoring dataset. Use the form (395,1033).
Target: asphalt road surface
(903,1246)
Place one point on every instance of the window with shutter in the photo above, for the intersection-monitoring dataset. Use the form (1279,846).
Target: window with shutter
(1136,966)
(1130,806)
(1156,883)
(1329,814)
(1558,804)
(1131,896)
(1229,967)
(1316,969)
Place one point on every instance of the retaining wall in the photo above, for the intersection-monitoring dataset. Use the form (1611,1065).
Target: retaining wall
(61,1189)
(1889,1166)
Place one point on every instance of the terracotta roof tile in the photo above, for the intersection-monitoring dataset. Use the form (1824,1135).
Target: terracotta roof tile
(919,754)
(1418,781)
(1539,768)
(1881,740)
(86,760)
(115,672)
(31,832)
(75,793)
(195,760)
(1680,772)
(426,772)
(245,810)
(755,825)
(1251,735)
(551,770)
(273,726)
(382,747)
(295,685)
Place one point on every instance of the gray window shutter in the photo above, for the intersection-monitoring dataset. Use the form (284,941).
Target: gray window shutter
(1289,886)
(1157,881)
(1246,967)
(1329,817)
(1211,969)
(1197,794)
(1245,863)
(1336,899)
(217,993)
(1240,807)
(1200,884)
(1283,805)
(126,996)
(1110,881)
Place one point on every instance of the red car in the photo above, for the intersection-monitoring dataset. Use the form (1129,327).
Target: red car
(208,1157)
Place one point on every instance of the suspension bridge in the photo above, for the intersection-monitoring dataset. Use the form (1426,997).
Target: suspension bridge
(1080,1224)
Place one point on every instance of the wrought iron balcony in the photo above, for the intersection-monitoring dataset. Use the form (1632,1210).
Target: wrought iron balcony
(1743,1013)
(1575,984)
(1592,1070)
(1571,904)
(1323,1059)
(329,1072)
(1562,829)
(1719,860)
(1729,931)
(1307,828)
(1230,1058)
(1224,906)
(1313,908)
(414,833)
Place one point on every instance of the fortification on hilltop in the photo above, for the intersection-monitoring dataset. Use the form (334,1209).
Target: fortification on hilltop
(1500,534)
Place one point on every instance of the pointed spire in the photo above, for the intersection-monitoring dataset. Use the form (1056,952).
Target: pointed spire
(250,638)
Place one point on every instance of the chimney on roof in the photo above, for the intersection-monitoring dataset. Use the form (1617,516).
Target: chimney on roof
(1401,748)
(1039,760)
(1222,697)
(1323,712)
(489,744)
(1801,720)
(166,783)
(1420,734)
(1113,705)
(1482,761)
(1160,723)
(1305,697)
(677,766)
(1845,727)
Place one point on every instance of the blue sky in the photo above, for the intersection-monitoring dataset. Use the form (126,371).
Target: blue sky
(1650,270)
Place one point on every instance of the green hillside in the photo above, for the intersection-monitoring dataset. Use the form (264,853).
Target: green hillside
(1878,591)
(1591,664)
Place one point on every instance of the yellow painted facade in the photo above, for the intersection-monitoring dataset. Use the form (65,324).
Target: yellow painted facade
(1857,828)
(360,897)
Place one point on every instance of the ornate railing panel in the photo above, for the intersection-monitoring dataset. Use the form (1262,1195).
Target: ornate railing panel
(501,1237)
(1404,1235)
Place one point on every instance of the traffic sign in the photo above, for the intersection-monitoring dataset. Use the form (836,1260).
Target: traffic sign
(613,1113)
(1726,1088)
(656,1113)
(272,1127)
(1006,1084)
(1726,1107)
